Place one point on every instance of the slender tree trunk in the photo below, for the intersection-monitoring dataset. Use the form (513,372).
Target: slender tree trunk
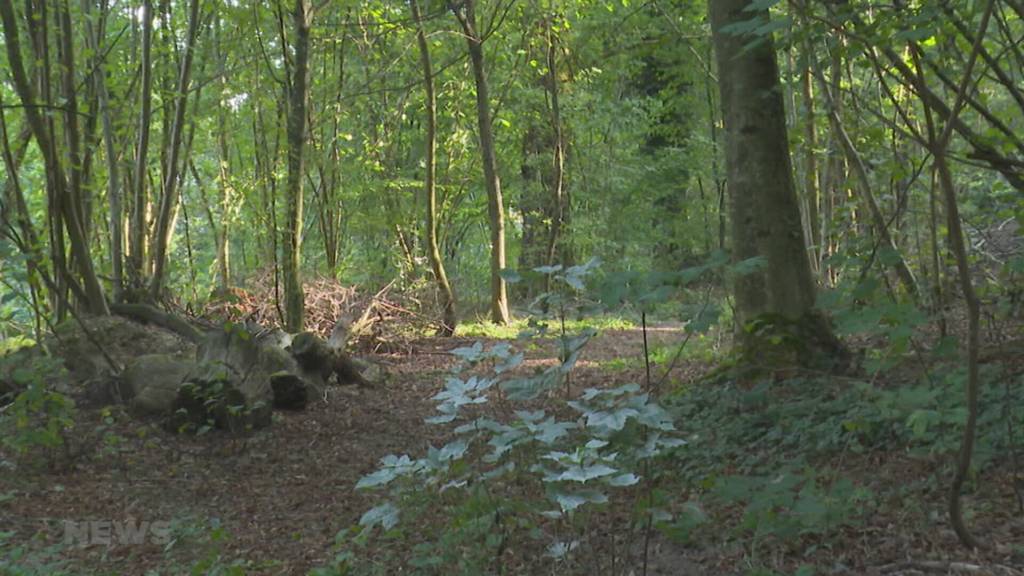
(113,172)
(63,208)
(74,211)
(495,206)
(765,209)
(448,319)
(224,171)
(720,186)
(169,199)
(298,101)
(811,193)
(138,225)
(939,147)
(903,271)
(558,203)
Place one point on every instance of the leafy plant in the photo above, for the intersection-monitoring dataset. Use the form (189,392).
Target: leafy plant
(525,473)
(39,417)
(22,560)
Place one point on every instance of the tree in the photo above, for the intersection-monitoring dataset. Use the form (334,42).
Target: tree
(63,185)
(164,227)
(495,206)
(444,288)
(764,208)
(137,226)
(298,97)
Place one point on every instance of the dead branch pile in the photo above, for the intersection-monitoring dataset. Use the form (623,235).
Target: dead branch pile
(380,322)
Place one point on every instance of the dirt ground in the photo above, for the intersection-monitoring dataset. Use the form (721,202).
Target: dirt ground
(282,494)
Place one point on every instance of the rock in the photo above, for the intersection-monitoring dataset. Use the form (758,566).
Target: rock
(150,383)
(233,374)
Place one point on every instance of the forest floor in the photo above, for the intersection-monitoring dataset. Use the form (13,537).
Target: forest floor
(278,498)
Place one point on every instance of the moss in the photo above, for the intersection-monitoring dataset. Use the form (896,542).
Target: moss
(772,341)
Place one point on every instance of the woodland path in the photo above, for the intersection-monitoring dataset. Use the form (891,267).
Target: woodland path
(280,495)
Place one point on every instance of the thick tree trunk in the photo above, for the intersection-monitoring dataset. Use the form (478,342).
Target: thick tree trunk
(495,206)
(298,100)
(448,319)
(765,210)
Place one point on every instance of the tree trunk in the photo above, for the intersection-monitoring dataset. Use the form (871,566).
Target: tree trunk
(558,204)
(448,319)
(113,173)
(811,194)
(765,210)
(903,272)
(138,224)
(169,199)
(298,100)
(224,172)
(64,207)
(495,207)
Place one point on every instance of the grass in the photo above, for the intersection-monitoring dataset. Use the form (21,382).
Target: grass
(486,329)
(703,348)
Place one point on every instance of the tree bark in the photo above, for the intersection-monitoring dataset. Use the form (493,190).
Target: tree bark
(811,191)
(903,271)
(558,203)
(169,199)
(137,226)
(113,173)
(444,288)
(221,232)
(62,206)
(298,101)
(495,206)
(764,208)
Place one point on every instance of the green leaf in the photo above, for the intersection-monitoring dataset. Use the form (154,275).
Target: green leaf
(624,480)
(569,501)
(385,514)
(511,276)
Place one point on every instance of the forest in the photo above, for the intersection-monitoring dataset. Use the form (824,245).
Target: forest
(518,287)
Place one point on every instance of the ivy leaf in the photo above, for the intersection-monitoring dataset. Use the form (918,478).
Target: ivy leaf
(613,421)
(509,275)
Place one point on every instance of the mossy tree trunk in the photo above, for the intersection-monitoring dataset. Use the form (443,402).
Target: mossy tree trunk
(765,210)
(298,100)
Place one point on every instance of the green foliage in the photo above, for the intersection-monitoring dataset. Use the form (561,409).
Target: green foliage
(790,503)
(39,417)
(209,404)
(214,561)
(507,477)
(23,560)
(511,331)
